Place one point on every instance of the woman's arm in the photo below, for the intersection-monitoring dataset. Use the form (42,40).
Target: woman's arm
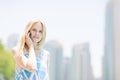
(24,62)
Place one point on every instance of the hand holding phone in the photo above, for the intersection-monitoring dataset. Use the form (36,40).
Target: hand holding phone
(28,40)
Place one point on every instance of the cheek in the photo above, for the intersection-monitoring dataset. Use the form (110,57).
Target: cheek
(32,33)
(40,35)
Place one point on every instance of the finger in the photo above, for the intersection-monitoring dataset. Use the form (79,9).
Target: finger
(27,35)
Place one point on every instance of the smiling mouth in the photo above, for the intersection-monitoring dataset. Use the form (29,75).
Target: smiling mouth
(36,37)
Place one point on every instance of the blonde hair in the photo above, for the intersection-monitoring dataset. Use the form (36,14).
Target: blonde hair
(22,44)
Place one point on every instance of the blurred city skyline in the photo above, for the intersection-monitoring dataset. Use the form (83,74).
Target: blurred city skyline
(68,22)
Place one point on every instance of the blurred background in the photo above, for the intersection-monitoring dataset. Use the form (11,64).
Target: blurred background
(82,36)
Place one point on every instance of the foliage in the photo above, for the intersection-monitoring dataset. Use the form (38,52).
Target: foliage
(7,63)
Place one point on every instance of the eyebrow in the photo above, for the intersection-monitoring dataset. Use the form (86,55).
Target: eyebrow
(35,29)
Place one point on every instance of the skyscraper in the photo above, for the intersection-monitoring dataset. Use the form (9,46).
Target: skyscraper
(66,68)
(103,68)
(80,65)
(56,58)
(12,41)
(108,58)
(116,38)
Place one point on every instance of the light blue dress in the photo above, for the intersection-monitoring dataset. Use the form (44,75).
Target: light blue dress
(40,74)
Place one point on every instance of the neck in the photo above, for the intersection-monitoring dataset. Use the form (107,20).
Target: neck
(37,51)
(35,46)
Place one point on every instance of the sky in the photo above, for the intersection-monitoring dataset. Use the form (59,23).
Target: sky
(67,21)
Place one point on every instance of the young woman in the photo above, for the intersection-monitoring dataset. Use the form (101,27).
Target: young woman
(32,61)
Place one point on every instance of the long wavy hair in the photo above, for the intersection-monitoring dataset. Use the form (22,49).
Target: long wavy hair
(22,44)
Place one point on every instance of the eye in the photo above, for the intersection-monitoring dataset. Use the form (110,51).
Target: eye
(33,29)
(40,31)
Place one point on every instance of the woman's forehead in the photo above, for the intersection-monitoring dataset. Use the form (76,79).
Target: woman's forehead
(37,25)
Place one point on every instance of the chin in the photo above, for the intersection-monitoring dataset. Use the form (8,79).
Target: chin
(36,41)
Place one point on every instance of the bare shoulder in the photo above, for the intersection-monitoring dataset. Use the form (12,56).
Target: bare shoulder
(46,52)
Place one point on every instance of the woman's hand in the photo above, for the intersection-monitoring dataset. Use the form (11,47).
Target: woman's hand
(28,40)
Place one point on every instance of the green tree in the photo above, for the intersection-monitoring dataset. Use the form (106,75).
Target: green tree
(1,45)
(7,63)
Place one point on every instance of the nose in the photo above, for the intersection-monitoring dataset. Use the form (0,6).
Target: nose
(37,33)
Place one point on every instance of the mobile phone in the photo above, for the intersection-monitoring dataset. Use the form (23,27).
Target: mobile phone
(30,34)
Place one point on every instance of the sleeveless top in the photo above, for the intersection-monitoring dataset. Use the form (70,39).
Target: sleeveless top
(40,74)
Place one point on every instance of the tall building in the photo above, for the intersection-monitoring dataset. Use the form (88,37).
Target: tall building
(116,38)
(66,68)
(108,52)
(12,41)
(92,76)
(112,40)
(103,68)
(80,66)
(56,58)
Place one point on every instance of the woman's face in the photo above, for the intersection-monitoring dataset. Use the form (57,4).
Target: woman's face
(36,32)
